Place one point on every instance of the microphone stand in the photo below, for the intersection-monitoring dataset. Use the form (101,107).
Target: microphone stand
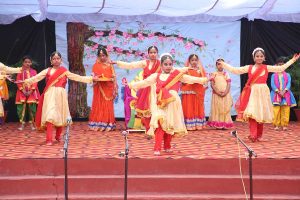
(250,154)
(66,157)
(124,133)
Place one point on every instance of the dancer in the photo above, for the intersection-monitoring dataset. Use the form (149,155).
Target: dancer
(53,107)
(4,71)
(145,96)
(281,97)
(221,101)
(254,104)
(167,115)
(193,96)
(102,116)
(26,97)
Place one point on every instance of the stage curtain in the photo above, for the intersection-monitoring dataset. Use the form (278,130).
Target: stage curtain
(276,38)
(26,37)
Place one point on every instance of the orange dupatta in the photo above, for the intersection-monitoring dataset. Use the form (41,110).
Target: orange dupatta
(162,88)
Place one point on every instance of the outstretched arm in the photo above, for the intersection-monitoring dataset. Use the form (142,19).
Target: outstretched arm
(131,65)
(235,70)
(36,78)
(192,79)
(9,70)
(78,78)
(144,83)
(285,66)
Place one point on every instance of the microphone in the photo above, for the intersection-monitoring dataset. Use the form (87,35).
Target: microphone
(233,133)
(125,153)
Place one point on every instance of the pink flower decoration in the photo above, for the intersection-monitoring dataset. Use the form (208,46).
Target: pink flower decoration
(109,48)
(201,43)
(119,50)
(150,35)
(111,37)
(179,39)
(127,35)
(161,38)
(144,56)
(188,45)
(140,36)
(173,51)
(137,53)
(196,41)
(95,47)
(99,33)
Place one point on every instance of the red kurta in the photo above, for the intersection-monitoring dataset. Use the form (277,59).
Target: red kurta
(34,96)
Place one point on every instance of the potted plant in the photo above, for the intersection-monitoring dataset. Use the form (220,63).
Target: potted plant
(294,71)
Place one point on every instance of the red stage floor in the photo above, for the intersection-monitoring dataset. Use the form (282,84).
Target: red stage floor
(208,143)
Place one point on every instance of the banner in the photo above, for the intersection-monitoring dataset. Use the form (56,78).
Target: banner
(129,42)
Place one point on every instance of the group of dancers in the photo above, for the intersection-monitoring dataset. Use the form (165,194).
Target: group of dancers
(163,113)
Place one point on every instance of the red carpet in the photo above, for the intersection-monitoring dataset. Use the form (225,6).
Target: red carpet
(208,143)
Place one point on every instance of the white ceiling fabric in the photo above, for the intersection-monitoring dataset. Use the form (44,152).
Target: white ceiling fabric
(151,11)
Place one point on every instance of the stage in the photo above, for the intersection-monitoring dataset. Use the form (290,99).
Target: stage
(203,165)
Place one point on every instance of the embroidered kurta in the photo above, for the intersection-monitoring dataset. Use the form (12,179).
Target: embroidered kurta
(259,106)
(55,107)
(20,96)
(281,82)
(170,116)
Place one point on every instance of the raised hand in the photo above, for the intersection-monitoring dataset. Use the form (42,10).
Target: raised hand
(296,56)
(112,62)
